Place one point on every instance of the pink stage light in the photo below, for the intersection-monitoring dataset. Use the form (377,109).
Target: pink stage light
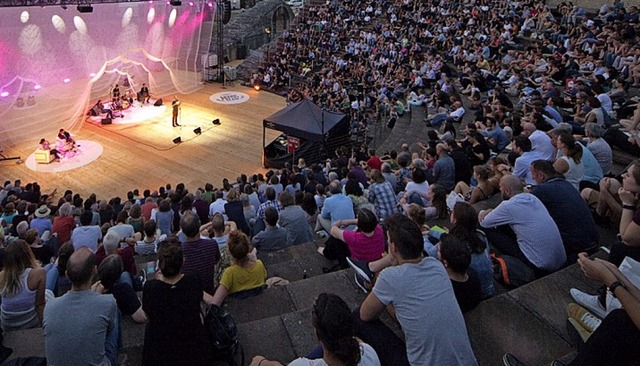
(210,5)
(4,94)
(66,80)
(37,87)
(191,3)
(92,74)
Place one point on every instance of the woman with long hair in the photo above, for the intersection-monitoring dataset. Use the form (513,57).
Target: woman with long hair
(164,217)
(464,220)
(333,324)
(22,285)
(570,163)
(175,334)
(135,218)
(482,190)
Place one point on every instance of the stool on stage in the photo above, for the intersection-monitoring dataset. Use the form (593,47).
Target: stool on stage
(44,156)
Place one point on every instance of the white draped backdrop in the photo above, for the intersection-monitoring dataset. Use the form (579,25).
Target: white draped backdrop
(55,63)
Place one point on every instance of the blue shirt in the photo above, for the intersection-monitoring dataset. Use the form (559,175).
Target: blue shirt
(522,167)
(338,207)
(498,135)
(537,234)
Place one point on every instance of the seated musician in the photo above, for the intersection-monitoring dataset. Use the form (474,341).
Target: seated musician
(99,108)
(144,93)
(45,145)
(65,142)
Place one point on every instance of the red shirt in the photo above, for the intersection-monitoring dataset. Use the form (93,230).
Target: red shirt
(146,210)
(374,162)
(128,262)
(63,226)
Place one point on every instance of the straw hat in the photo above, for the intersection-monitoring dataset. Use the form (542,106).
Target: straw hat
(43,211)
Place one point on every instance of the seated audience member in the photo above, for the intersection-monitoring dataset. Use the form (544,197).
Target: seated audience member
(521,227)
(219,230)
(273,237)
(366,243)
(455,255)
(383,195)
(337,207)
(416,190)
(235,212)
(522,166)
(42,253)
(540,141)
(246,276)
(22,285)
(86,235)
(567,209)
(109,273)
(333,325)
(271,201)
(569,164)
(616,341)
(444,171)
(483,188)
(63,224)
(200,255)
(437,207)
(174,334)
(94,334)
(111,245)
(456,114)
(464,227)
(125,231)
(57,281)
(599,147)
(41,222)
(294,220)
(152,236)
(435,331)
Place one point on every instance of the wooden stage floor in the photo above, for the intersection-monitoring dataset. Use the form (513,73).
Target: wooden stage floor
(143,155)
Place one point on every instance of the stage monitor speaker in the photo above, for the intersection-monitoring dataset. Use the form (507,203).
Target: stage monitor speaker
(175,2)
(197,131)
(216,121)
(106,121)
(226,11)
(158,102)
(85,8)
(177,140)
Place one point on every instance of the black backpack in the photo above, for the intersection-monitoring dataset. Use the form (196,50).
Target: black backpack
(222,331)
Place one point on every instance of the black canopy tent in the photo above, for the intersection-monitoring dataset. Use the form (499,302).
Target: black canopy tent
(319,131)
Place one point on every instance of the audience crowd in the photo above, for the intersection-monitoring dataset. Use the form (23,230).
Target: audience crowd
(527,177)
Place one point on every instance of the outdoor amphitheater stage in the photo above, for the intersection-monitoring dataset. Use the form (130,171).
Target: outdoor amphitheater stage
(143,155)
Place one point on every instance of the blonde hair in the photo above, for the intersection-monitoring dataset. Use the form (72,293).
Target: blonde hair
(18,257)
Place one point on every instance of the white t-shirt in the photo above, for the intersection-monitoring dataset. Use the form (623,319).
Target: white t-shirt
(368,357)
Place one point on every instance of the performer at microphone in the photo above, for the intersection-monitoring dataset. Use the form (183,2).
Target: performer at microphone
(144,93)
(176,109)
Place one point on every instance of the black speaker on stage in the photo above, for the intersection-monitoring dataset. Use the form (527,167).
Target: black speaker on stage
(158,102)
(177,140)
(106,121)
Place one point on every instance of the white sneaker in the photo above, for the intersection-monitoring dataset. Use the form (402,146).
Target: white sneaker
(588,301)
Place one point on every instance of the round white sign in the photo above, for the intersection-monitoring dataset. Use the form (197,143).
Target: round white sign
(230,97)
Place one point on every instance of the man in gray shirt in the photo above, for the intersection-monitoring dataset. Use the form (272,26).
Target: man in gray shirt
(424,304)
(81,327)
(444,171)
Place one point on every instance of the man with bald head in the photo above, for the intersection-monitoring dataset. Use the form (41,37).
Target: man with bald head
(540,141)
(521,227)
(81,327)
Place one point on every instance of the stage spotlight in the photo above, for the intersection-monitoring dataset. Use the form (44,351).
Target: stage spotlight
(85,8)
(197,131)
(177,140)
(216,121)
(256,87)
(175,2)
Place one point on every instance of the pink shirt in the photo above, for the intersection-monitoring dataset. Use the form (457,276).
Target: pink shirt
(363,247)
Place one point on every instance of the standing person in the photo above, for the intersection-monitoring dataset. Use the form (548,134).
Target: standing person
(144,94)
(175,334)
(73,335)
(175,104)
(420,292)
